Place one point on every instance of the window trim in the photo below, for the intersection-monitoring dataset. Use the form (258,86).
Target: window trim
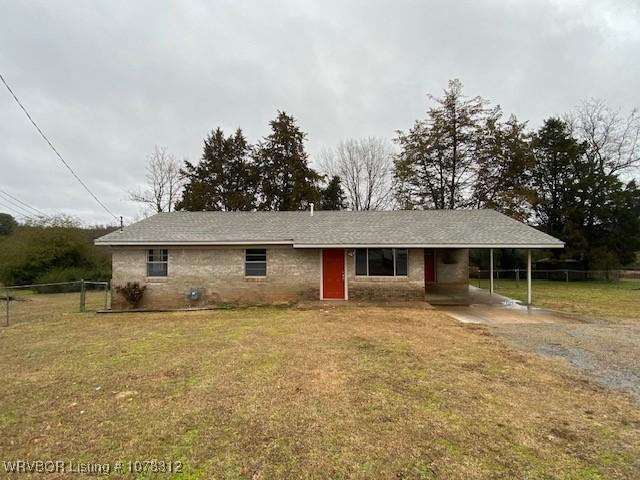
(266,261)
(149,262)
(394,255)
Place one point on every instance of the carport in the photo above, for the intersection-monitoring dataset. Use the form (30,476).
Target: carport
(441,294)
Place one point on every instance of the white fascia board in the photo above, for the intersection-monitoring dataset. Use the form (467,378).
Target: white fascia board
(305,245)
(428,245)
(188,244)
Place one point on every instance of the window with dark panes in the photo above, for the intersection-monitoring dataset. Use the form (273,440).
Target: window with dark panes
(361,261)
(382,262)
(157,262)
(401,261)
(255,263)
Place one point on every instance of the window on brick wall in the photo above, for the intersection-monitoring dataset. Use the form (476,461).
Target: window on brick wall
(255,262)
(157,262)
(381,262)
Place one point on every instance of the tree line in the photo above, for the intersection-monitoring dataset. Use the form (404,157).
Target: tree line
(51,250)
(573,177)
(273,174)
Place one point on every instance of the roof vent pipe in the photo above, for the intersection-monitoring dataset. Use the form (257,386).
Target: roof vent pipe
(311,205)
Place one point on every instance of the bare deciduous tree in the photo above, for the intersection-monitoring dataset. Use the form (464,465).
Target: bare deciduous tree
(163,182)
(61,220)
(365,170)
(612,139)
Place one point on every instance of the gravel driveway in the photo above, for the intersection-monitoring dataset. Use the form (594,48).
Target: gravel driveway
(607,353)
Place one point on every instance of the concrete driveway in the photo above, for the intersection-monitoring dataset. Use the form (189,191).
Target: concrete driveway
(607,353)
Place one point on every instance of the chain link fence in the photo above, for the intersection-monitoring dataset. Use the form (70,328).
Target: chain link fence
(44,301)
(567,275)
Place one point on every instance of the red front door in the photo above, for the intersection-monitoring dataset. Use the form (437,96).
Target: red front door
(333,273)
(429,266)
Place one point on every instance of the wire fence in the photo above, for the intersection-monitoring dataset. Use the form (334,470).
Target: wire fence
(567,275)
(28,303)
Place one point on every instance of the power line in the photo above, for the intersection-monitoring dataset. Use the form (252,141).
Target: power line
(15,205)
(16,212)
(10,197)
(54,149)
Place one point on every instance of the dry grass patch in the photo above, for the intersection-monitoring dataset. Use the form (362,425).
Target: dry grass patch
(284,393)
(609,301)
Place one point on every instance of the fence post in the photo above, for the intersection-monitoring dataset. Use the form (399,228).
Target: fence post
(82,295)
(517,278)
(106,294)
(6,298)
(566,276)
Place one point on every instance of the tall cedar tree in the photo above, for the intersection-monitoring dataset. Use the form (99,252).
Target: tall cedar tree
(287,182)
(590,208)
(503,159)
(463,155)
(557,155)
(436,167)
(225,179)
(332,196)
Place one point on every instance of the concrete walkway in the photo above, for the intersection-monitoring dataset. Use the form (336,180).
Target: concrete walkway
(606,353)
(494,309)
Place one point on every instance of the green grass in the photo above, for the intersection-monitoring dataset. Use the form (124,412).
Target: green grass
(611,301)
(350,392)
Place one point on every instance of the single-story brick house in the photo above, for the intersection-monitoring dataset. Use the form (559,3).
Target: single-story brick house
(198,258)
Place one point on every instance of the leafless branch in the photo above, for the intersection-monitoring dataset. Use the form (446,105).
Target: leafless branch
(163,182)
(365,169)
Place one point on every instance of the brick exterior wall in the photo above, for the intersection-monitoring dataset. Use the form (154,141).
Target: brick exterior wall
(218,273)
(292,274)
(452,271)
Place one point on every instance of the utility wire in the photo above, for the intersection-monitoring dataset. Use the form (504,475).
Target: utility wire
(54,149)
(10,197)
(16,212)
(16,205)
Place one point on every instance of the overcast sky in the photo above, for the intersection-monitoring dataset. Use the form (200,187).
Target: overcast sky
(107,80)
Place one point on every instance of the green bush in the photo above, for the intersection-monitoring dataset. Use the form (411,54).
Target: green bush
(70,274)
(47,254)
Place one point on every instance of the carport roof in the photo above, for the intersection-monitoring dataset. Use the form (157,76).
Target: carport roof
(399,228)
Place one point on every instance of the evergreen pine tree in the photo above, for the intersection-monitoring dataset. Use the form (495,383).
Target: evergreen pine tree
(225,179)
(332,196)
(287,182)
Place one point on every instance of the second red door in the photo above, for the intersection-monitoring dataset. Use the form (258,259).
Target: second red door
(429,266)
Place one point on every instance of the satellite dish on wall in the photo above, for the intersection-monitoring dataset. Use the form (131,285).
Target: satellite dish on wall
(194,295)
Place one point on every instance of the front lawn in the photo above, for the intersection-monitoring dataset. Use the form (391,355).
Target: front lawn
(283,393)
(614,301)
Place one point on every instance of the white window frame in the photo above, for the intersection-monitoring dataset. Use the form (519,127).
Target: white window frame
(395,273)
(156,262)
(266,263)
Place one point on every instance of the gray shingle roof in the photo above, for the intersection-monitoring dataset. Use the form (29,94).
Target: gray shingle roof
(394,228)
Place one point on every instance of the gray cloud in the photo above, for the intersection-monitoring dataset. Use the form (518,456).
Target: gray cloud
(108,80)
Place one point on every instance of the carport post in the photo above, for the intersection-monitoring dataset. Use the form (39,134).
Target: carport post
(529,277)
(491,270)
